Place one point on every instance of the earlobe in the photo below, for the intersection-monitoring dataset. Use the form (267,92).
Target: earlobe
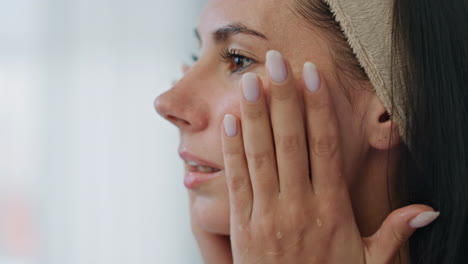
(382,132)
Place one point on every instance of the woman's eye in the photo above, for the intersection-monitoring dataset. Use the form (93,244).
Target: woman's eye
(238,63)
(236,60)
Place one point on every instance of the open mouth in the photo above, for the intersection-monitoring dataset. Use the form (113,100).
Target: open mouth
(193,166)
(198,171)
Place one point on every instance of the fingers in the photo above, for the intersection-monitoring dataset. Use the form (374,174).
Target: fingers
(258,142)
(288,128)
(397,228)
(277,158)
(323,133)
(237,174)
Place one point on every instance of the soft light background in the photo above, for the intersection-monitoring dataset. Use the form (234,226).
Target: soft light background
(88,172)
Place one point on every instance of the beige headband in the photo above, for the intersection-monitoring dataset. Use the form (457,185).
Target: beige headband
(367,24)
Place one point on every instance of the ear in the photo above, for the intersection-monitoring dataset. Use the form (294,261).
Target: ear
(382,132)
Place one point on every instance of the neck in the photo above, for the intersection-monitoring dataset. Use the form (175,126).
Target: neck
(375,195)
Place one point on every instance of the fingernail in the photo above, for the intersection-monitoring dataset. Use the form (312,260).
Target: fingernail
(276,67)
(250,87)
(311,77)
(423,219)
(230,125)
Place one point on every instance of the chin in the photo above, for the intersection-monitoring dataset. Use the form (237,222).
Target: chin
(211,213)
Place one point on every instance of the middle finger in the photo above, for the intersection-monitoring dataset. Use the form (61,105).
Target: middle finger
(288,128)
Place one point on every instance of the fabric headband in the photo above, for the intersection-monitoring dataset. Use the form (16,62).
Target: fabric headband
(367,24)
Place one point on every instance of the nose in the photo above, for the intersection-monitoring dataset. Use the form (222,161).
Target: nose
(180,108)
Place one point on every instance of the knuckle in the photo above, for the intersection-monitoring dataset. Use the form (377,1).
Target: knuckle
(253,113)
(299,217)
(324,146)
(400,237)
(317,104)
(289,143)
(237,181)
(258,160)
(265,226)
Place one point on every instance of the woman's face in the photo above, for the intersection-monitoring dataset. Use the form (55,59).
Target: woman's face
(229,30)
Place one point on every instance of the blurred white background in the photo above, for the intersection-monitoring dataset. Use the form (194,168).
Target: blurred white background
(88,172)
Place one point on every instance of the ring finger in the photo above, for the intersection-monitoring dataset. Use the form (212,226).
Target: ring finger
(288,129)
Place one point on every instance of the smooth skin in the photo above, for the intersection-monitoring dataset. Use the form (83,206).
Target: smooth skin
(210,89)
(278,213)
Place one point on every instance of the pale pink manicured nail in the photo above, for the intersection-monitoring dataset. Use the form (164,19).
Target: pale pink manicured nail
(423,219)
(230,125)
(311,77)
(250,87)
(276,67)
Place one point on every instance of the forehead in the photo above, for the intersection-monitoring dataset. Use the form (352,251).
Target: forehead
(284,29)
(266,16)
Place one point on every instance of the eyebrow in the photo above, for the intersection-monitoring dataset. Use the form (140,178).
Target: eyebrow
(224,33)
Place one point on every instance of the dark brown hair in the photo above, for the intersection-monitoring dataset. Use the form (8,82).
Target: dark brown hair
(430,38)
(318,14)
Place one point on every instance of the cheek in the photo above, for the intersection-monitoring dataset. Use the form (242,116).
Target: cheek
(210,203)
(226,103)
(352,132)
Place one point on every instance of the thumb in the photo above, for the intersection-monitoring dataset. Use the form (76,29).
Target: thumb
(396,230)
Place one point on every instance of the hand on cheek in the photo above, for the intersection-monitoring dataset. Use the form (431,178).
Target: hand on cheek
(288,198)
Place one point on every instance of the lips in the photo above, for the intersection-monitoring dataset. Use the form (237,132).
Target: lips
(194,166)
(198,171)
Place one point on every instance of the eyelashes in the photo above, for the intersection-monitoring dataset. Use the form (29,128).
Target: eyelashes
(236,60)
(228,54)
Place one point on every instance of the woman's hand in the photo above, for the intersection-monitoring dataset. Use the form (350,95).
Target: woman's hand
(288,196)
